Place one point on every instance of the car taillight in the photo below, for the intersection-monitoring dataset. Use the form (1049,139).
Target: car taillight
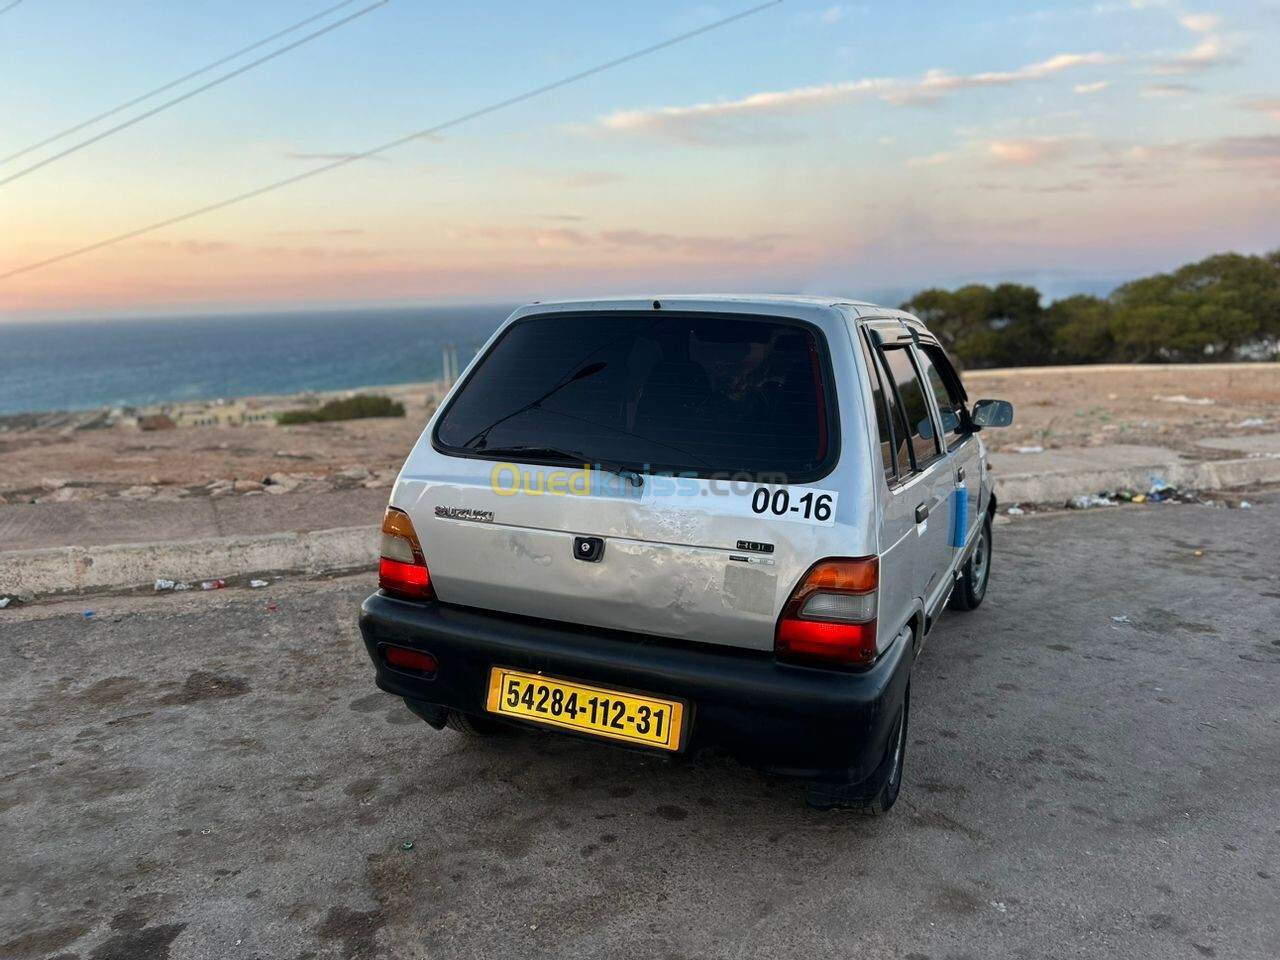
(831,614)
(402,570)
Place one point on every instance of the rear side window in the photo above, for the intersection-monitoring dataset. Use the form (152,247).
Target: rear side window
(921,436)
(705,394)
(940,376)
(886,420)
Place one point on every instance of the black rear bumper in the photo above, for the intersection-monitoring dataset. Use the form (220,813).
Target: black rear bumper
(798,721)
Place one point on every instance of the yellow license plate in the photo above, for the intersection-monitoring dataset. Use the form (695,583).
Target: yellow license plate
(633,717)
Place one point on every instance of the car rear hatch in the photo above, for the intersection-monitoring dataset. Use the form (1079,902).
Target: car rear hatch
(693,445)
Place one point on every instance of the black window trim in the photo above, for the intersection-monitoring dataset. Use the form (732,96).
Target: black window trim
(872,359)
(917,467)
(954,440)
(829,391)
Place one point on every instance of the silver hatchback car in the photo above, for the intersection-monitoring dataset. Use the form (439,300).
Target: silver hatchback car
(690,523)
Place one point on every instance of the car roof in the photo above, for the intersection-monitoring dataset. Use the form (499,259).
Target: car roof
(753,302)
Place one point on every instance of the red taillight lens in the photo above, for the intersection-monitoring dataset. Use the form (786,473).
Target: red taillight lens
(831,615)
(402,570)
(409,659)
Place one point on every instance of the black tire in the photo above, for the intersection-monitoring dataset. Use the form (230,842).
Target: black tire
(888,794)
(887,779)
(972,586)
(472,726)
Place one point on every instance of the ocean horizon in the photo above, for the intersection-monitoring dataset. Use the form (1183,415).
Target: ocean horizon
(89,364)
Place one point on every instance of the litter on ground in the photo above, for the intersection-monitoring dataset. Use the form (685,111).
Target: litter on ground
(162,584)
(1251,422)
(257,584)
(213,584)
(1085,501)
(1031,449)
(1122,619)
(4,602)
(1015,511)
(1183,398)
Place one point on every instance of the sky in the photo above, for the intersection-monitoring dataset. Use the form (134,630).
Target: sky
(863,150)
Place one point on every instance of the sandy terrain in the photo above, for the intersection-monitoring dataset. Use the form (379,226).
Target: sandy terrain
(1095,406)
(1055,407)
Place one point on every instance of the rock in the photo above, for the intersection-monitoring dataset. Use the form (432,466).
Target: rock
(247,486)
(282,483)
(69,495)
(137,493)
(54,483)
(355,472)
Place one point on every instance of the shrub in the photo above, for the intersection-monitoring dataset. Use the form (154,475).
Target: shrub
(351,408)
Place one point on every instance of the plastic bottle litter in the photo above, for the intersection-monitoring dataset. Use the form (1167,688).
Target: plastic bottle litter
(1244,505)
(1122,619)
(1015,511)
(182,585)
(162,584)
(1085,501)
(4,602)
(1031,449)
(257,584)
(213,584)
(88,614)
(1183,398)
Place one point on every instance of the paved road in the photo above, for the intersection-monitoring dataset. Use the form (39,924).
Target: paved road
(201,776)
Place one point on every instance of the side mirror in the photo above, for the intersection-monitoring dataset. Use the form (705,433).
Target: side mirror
(992,413)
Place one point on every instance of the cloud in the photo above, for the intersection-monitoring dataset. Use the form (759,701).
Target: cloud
(1029,152)
(329,157)
(1261,151)
(1201,22)
(564,217)
(1213,50)
(1268,105)
(713,122)
(192,247)
(931,160)
(1168,90)
(693,246)
(1097,87)
(339,232)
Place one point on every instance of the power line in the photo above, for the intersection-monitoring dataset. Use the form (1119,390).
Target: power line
(110,131)
(172,83)
(7,7)
(398,142)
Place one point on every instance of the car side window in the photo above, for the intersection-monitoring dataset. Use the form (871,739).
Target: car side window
(942,379)
(886,423)
(914,404)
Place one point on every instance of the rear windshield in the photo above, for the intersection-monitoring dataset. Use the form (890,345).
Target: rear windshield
(703,394)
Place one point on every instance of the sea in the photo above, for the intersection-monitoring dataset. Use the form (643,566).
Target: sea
(87,364)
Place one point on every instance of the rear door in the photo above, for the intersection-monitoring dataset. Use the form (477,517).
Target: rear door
(730,424)
(963,450)
(926,488)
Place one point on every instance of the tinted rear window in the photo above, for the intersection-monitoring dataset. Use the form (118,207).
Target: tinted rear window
(699,393)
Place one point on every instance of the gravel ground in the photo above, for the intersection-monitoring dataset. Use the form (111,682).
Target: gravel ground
(215,776)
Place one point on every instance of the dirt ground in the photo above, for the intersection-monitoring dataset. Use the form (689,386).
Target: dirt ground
(1092,773)
(1164,406)
(1055,407)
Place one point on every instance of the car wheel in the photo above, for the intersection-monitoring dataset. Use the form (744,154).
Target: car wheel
(972,587)
(473,726)
(827,796)
(888,794)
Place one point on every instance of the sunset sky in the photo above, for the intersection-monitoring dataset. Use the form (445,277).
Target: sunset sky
(855,149)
